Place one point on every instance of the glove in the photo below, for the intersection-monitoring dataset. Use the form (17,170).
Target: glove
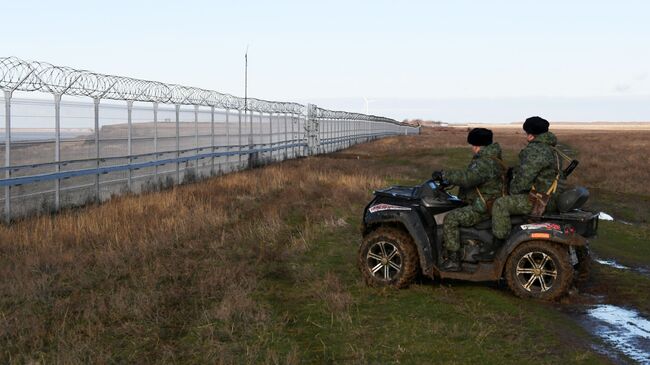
(437,176)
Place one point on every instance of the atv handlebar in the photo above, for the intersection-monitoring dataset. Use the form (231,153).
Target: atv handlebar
(441,184)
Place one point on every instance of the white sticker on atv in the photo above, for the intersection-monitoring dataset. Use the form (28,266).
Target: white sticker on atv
(540,226)
(382,207)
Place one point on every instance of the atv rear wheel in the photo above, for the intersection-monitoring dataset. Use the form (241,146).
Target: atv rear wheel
(539,269)
(388,257)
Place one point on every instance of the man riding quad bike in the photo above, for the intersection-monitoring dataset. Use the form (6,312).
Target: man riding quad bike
(540,257)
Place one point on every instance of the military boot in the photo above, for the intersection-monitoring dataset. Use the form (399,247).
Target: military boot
(452,263)
(487,251)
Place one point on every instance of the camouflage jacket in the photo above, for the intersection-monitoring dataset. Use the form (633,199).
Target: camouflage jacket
(538,165)
(484,172)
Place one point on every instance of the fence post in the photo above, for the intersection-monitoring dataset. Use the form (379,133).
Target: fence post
(325,135)
(178,144)
(239,138)
(343,133)
(293,135)
(271,136)
(155,140)
(8,95)
(360,131)
(250,134)
(286,137)
(57,149)
(308,131)
(346,128)
(261,118)
(227,140)
(337,132)
(367,126)
(313,130)
(330,137)
(348,132)
(212,172)
(97,149)
(196,138)
(303,133)
(250,128)
(129,139)
(251,154)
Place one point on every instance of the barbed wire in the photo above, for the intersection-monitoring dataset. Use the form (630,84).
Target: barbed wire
(335,114)
(18,74)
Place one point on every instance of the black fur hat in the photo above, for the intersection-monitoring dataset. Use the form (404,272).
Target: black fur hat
(536,125)
(479,137)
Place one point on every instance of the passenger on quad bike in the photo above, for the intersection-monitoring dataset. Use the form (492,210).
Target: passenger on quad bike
(479,185)
(534,182)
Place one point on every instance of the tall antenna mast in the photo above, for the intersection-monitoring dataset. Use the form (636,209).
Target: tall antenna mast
(246,118)
(246,81)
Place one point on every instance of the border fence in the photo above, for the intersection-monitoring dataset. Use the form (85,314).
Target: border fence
(97,135)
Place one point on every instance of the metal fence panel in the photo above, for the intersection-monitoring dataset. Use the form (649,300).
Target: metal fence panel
(94,136)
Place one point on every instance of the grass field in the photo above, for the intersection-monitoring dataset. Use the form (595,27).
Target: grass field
(259,266)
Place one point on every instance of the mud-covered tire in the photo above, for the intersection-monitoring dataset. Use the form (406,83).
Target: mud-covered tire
(583,267)
(540,270)
(397,270)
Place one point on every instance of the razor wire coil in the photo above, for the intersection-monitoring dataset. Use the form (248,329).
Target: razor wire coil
(18,74)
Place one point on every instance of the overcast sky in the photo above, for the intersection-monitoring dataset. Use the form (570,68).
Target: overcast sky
(457,61)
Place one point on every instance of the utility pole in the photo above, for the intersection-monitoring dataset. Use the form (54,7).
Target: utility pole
(246,82)
(252,156)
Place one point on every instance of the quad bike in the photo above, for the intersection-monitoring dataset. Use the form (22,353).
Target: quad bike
(402,237)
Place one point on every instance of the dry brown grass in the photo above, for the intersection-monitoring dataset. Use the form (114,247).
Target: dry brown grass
(136,278)
(610,160)
(614,161)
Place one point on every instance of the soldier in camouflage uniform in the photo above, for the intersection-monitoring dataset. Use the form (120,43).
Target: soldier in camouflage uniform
(538,169)
(480,183)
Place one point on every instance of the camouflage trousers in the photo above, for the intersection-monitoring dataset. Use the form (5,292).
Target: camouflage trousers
(461,217)
(503,208)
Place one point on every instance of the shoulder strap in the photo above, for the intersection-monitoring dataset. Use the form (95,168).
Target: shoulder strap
(559,152)
(481,196)
(553,187)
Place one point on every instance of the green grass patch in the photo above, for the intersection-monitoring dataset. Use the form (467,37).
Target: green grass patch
(329,316)
(628,244)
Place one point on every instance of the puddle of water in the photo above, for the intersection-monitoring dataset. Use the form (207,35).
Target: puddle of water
(623,329)
(612,263)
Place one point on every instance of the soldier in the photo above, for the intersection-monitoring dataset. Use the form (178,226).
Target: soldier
(480,184)
(534,181)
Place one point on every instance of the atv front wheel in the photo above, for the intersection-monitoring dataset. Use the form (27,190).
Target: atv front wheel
(388,257)
(539,269)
